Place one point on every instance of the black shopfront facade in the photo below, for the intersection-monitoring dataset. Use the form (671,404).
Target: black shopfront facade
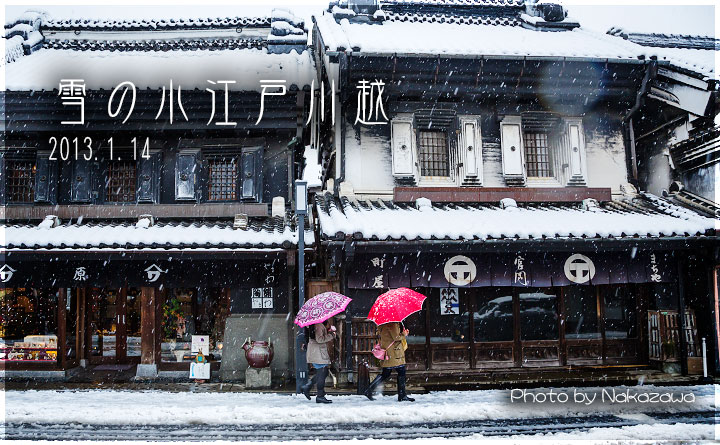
(124,308)
(516,305)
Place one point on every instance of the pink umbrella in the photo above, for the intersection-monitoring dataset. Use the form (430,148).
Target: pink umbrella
(395,306)
(321,307)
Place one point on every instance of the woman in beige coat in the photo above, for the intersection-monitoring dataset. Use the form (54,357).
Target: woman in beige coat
(317,353)
(391,340)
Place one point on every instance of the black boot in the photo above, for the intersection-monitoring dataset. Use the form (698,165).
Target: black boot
(306,387)
(402,394)
(369,391)
(320,377)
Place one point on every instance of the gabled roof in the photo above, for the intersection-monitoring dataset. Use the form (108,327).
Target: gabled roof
(268,233)
(646,216)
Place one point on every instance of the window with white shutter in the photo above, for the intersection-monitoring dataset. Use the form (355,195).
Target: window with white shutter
(577,154)
(512,151)
(470,149)
(403,148)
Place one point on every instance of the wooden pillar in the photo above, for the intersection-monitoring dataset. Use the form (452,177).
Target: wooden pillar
(83,331)
(148,335)
(61,326)
(681,314)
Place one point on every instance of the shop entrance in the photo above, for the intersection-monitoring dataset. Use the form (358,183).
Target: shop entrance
(112,334)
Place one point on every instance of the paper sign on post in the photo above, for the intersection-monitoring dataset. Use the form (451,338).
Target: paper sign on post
(200,371)
(200,343)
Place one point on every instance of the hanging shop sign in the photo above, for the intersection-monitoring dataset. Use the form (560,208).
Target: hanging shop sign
(523,269)
(449,301)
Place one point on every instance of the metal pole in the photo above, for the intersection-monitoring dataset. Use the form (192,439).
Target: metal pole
(704,359)
(301,368)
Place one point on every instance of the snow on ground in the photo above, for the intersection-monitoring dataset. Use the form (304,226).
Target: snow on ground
(167,408)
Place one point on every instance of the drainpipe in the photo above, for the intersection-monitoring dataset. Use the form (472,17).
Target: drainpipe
(650,74)
(343,70)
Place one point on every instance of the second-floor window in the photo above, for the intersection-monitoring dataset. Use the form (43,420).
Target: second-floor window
(222,178)
(433,153)
(20,181)
(538,156)
(121,181)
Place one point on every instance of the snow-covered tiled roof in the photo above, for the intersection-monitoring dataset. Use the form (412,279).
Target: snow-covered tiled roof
(700,61)
(454,2)
(690,52)
(152,23)
(412,31)
(43,69)
(378,220)
(471,40)
(272,233)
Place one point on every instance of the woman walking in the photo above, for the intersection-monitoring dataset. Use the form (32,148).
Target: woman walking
(391,340)
(317,354)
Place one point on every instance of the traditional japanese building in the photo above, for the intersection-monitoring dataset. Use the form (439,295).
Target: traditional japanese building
(497,176)
(675,147)
(146,197)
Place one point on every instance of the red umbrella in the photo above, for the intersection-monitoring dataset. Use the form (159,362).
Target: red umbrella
(395,306)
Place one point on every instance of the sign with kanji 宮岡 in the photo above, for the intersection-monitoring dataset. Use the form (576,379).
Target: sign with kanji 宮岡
(449,302)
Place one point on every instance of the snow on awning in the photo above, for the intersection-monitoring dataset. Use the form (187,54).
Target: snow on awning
(43,70)
(395,37)
(273,233)
(379,220)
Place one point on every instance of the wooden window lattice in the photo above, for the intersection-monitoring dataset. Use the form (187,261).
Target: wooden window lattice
(20,182)
(121,181)
(222,179)
(433,153)
(537,155)
(664,335)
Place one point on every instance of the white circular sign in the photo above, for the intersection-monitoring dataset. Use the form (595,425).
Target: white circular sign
(579,268)
(460,270)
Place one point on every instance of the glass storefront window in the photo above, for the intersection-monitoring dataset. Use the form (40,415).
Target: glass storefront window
(620,312)
(581,312)
(104,305)
(445,327)
(28,325)
(190,311)
(538,314)
(494,316)
(132,322)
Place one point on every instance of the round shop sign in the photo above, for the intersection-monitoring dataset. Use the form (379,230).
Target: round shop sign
(579,268)
(460,270)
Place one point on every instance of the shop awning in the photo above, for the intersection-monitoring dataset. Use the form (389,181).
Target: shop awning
(524,230)
(645,216)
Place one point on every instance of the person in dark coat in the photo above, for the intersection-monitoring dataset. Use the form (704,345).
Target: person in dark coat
(391,339)
(318,355)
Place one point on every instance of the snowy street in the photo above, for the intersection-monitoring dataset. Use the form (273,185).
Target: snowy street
(156,415)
